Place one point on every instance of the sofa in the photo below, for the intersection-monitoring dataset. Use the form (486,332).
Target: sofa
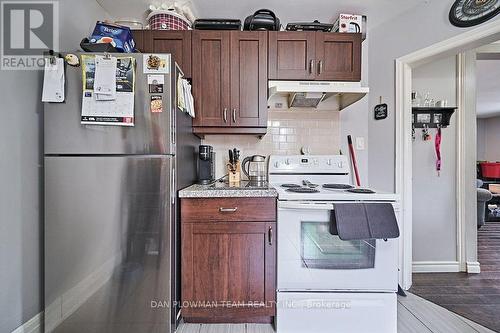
(483,196)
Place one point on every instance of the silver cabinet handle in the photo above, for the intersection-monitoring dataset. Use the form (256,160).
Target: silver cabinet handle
(234,115)
(320,67)
(228,210)
(270,235)
(311,66)
(225,115)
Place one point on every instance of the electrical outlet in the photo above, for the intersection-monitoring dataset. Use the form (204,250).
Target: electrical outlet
(360,143)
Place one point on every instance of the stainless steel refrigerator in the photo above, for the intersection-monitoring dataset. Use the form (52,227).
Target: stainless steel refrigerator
(111,259)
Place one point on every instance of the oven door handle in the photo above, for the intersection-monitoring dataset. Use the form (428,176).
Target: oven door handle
(304,205)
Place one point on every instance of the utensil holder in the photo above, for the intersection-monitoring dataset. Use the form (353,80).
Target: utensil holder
(234,175)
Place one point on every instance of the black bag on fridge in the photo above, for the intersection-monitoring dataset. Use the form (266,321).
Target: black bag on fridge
(263,19)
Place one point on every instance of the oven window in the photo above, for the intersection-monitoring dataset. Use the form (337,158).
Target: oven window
(320,249)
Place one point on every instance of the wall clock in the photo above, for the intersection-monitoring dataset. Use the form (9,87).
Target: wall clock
(467,13)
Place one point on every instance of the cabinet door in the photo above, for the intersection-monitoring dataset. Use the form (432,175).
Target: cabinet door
(291,55)
(338,56)
(249,79)
(177,43)
(228,262)
(139,36)
(211,78)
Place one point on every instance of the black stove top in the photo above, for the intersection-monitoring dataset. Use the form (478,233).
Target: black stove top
(302,190)
(338,186)
(290,185)
(361,191)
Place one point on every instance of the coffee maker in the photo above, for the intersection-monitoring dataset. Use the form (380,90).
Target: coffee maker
(206,165)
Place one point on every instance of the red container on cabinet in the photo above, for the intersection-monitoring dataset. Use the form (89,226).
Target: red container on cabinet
(490,170)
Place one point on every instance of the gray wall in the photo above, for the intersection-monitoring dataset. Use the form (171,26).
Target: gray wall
(481,139)
(20,165)
(488,137)
(423,25)
(353,122)
(434,197)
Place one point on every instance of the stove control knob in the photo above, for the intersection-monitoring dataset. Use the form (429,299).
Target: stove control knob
(276,164)
(340,164)
(287,162)
(329,162)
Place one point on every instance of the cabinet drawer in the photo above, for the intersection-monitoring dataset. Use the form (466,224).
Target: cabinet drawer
(228,209)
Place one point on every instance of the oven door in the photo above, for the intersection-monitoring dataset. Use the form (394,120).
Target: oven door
(311,258)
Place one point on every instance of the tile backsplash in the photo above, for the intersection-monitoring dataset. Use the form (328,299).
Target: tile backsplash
(288,132)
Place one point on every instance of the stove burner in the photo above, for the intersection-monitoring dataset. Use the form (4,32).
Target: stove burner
(302,190)
(361,191)
(338,186)
(290,185)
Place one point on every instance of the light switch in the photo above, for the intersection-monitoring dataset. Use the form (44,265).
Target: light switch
(360,143)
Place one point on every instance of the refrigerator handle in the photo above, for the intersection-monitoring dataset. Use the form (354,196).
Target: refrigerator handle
(172,186)
(174,108)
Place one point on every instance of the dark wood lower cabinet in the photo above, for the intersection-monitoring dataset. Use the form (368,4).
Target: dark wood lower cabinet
(228,269)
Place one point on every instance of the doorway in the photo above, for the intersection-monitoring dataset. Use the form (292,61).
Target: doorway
(470,294)
(434,155)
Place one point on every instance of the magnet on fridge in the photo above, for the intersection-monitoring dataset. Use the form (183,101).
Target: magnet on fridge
(156,104)
(155,83)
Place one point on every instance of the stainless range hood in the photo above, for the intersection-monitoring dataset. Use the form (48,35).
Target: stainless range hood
(327,95)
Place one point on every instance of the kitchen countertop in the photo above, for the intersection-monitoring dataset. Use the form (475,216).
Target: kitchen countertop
(223,190)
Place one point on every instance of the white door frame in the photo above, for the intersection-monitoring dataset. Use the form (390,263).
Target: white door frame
(468,40)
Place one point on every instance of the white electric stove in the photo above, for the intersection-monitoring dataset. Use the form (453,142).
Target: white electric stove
(326,284)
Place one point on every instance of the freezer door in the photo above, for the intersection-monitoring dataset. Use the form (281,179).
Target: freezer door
(108,248)
(153,133)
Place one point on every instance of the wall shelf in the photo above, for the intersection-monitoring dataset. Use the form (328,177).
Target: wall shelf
(432,117)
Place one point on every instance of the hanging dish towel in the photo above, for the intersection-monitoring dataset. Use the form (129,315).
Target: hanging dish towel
(181,104)
(362,221)
(185,100)
(437,145)
(188,98)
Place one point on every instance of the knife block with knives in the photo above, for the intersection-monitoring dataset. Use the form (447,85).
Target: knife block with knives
(234,167)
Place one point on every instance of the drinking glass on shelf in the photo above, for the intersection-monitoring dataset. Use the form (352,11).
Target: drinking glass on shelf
(416,100)
(428,101)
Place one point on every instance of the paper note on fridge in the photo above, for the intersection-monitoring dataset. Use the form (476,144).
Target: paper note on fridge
(53,81)
(105,78)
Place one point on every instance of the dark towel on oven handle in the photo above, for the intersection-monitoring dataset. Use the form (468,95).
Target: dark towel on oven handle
(361,221)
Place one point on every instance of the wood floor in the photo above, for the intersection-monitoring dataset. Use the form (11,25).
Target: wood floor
(415,315)
(473,296)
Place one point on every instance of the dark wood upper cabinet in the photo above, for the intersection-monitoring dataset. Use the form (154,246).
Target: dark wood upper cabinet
(177,43)
(338,57)
(211,78)
(230,82)
(230,69)
(291,55)
(138,36)
(249,79)
(314,56)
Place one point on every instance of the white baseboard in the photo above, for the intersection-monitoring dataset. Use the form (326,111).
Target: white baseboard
(436,266)
(473,267)
(66,304)
(34,325)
